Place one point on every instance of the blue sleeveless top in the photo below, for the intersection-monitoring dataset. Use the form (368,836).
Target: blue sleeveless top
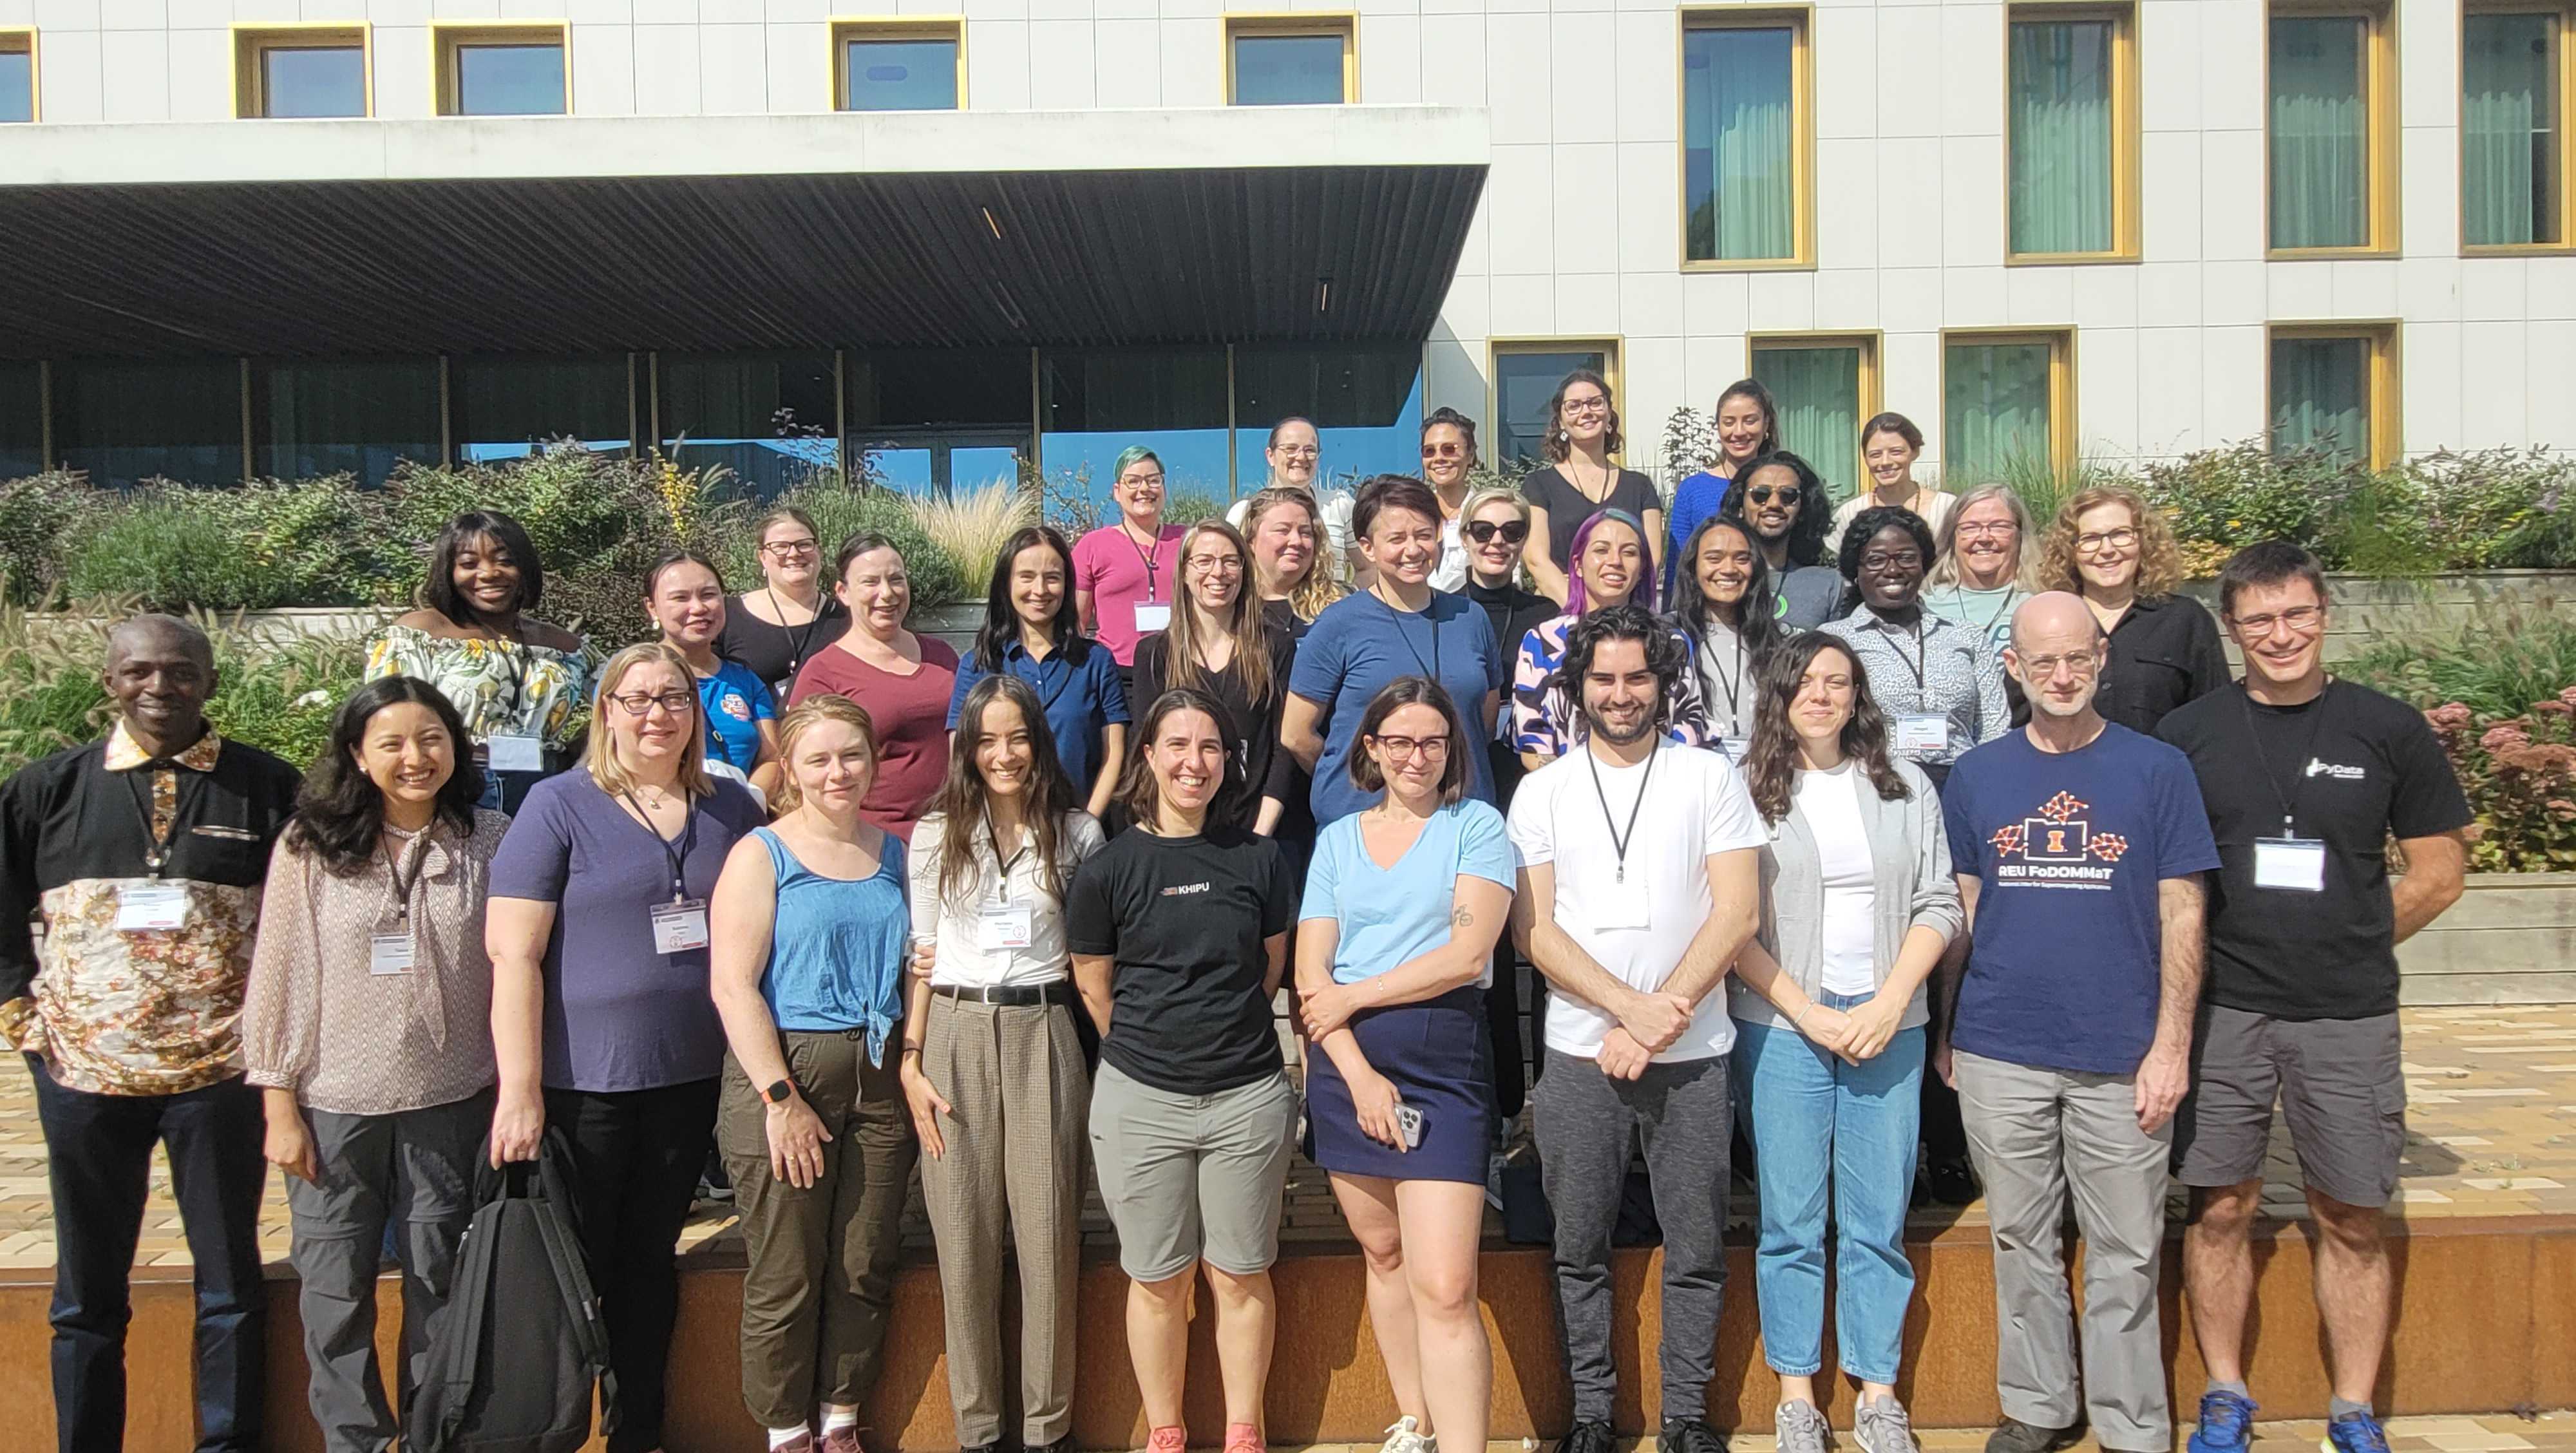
(836,946)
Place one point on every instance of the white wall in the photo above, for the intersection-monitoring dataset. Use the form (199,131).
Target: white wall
(1579,235)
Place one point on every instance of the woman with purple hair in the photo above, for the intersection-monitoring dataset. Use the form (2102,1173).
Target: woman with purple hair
(1608,565)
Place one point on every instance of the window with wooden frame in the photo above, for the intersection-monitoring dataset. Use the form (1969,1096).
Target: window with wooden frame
(2330,159)
(18,75)
(1748,152)
(2071,132)
(1826,384)
(2516,92)
(1526,373)
(2007,404)
(910,63)
(282,71)
(2332,388)
(503,68)
(1299,59)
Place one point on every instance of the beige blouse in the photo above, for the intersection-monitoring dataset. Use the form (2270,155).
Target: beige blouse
(352,1041)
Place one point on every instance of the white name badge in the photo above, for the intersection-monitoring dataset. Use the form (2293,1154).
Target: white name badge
(151,907)
(1003,925)
(1153,616)
(680,927)
(390,953)
(1922,733)
(1618,905)
(2292,864)
(515,754)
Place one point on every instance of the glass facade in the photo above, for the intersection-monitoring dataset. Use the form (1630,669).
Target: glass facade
(22,420)
(932,420)
(2059,103)
(122,422)
(2321,397)
(509,79)
(1094,402)
(771,418)
(1524,381)
(1365,401)
(916,73)
(1997,410)
(344,416)
(1740,143)
(504,407)
(1819,393)
(312,80)
(1290,70)
(2510,169)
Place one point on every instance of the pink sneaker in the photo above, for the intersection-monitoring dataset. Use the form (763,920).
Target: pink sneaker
(1174,1439)
(1244,1438)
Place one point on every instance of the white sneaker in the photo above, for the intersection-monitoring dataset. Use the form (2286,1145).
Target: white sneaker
(1405,1436)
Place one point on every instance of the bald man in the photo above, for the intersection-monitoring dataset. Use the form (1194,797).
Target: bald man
(144,854)
(2080,846)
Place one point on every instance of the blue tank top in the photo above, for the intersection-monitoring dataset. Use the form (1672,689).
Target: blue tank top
(836,946)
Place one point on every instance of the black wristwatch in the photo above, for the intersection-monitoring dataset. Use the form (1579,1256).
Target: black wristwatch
(777,1094)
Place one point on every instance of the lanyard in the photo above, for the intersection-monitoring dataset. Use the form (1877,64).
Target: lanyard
(1430,668)
(393,868)
(1717,673)
(1918,666)
(1620,838)
(2289,800)
(1002,889)
(159,851)
(802,639)
(1145,555)
(1988,628)
(674,851)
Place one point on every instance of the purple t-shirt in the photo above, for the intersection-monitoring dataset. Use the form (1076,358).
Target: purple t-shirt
(618,1016)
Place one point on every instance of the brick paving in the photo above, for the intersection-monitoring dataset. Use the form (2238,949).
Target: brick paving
(2491,1131)
(2553,1432)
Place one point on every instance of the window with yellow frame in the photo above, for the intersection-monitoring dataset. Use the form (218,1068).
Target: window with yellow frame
(1297,59)
(911,63)
(18,75)
(1748,153)
(2071,132)
(2007,404)
(2331,388)
(2516,92)
(1526,372)
(2330,120)
(1825,384)
(503,68)
(314,70)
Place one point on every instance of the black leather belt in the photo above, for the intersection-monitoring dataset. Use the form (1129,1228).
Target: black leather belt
(1011,996)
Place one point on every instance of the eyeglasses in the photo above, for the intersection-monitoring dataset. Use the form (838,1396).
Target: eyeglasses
(674,702)
(1216,564)
(2301,619)
(1764,494)
(1448,449)
(1980,528)
(1405,749)
(1587,406)
(787,549)
(2041,668)
(1878,560)
(1483,531)
(1300,451)
(1142,481)
(2119,539)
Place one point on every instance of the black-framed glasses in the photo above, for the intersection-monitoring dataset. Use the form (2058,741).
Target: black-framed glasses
(1483,532)
(674,702)
(787,549)
(1405,749)
(1892,560)
(2301,619)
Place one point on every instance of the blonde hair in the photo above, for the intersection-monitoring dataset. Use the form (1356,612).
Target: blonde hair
(1318,588)
(2159,559)
(803,717)
(599,755)
(2026,541)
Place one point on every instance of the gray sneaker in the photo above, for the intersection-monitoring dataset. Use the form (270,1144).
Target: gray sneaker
(1880,1425)
(1800,1428)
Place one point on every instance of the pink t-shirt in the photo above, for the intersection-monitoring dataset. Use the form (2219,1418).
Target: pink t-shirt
(911,717)
(1107,563)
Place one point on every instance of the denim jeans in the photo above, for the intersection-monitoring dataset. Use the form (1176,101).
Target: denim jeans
(1818,1122)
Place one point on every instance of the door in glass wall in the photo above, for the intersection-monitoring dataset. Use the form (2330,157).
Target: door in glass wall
(22,420)
(506,407)
(768,417)
(343,416)
(1365,400)
(1996,411)
(1818,389)
(122,422)
(940,420)
(1525,378)
(1095,402)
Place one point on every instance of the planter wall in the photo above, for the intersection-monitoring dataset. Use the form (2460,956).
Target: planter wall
(2366,607)
(2511,939)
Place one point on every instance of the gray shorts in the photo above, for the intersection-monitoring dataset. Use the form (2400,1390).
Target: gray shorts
(1193,1177)
(2339,1082)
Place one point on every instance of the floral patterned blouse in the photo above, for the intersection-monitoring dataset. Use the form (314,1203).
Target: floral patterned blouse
(501,688)
(1541,716)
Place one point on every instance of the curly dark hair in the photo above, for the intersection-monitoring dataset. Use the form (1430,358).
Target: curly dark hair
(1665,655)
(1757,618)
(340,812)
(1555,447)
(1866,526)
(1815,507)
(1771,762)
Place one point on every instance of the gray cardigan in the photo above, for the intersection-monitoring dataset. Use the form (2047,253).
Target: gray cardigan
(1914,889)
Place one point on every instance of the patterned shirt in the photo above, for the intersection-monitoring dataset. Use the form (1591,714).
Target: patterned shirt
(1543,717)
(346,1039)
(1936,667)
(103,832)
(501,688)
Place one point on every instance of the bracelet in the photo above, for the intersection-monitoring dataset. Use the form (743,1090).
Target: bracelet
(909,1049)
(1798,1021)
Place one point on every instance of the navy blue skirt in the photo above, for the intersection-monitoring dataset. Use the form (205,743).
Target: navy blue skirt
(1437,1056)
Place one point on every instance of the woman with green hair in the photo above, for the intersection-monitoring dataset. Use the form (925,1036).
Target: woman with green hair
(1127,575)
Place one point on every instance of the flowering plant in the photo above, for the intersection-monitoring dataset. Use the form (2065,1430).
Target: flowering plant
(2520,776)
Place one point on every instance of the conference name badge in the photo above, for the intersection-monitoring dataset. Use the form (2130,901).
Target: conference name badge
(1619,904)
(151,907)
(1153,616)
(2291,864)
(515,754)
(1922,732)
(680,927)
(391,953)
(1003,925)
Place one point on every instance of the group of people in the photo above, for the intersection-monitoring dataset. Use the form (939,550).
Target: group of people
(1906,833)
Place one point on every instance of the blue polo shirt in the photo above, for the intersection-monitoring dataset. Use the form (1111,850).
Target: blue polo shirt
(1080,698)
(736,704)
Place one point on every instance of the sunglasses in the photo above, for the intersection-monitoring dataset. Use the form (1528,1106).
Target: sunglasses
(1483,532)
(1448,449)
(1764,494)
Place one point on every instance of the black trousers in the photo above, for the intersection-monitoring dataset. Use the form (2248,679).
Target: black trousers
(1945,1135)
(636,1155)
(98,1151)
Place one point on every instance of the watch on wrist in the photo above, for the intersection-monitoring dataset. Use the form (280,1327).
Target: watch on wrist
(777,1094)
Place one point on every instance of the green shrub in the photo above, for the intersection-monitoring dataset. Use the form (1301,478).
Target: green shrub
(1189,507)
(37,514)
(2508,655)
(171,550)
(280,696)
(839,513)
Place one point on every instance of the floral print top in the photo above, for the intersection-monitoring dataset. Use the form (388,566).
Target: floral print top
(501,688)
(1542,717)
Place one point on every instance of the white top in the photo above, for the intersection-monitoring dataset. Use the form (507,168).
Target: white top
(1694,805)
(1451,573)
(1829,804)
(1936,508)
(962,959)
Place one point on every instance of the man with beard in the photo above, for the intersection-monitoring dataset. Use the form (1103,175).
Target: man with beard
(1637,888)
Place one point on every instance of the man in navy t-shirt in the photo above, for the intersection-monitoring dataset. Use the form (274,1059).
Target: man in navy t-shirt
(2079,846)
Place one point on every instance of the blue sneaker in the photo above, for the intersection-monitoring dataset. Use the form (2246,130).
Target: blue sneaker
(2226,1424)
(2355,1433)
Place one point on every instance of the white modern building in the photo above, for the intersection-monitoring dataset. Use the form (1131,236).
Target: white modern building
(277,237)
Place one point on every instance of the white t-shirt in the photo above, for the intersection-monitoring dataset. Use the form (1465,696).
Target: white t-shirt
(1694,804)
(1829,804)
(1936,508)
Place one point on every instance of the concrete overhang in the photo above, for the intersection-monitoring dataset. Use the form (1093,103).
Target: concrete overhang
(578,234)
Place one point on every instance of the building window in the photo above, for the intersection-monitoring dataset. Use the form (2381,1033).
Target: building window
(1526,375)
(2334,391)
(1364,399)
(2072,131)
(300,71)
(1825,387)
(17,75)
(771,418)
(507,407)
(2332,146)
(1291,60)
(906,65)
(503,70)
(123,421)
(1094,402)
(356,416)
(22,420)
(2007,406)
(2514,88)
(1747,138)
(939,420)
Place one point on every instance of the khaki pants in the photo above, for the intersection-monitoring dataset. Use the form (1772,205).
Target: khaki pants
(819,1285)
(1014,1078)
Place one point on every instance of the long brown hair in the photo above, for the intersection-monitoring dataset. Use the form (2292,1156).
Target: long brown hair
(961,799)
(1556,446)
(1242,624)
(1771,762)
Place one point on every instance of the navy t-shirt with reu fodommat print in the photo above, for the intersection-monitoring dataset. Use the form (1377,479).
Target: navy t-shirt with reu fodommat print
(2071,850)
